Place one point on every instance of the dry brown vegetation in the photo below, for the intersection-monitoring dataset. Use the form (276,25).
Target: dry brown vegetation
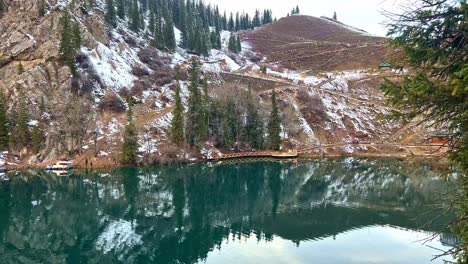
(316,44)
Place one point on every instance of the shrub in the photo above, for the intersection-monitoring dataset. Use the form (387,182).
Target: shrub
(151,57)
(163,75)
(112,103)
(138,88)
(139,71)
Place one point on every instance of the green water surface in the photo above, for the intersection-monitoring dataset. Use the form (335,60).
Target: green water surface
(342,211)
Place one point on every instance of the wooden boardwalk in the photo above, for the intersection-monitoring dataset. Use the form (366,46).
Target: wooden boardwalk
(258,154)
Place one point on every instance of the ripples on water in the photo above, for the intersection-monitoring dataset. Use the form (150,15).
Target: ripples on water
(349,211)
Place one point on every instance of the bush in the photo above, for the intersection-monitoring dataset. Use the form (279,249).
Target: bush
(112,103)
(138,88)
(151,57)
(313,104)
(139,71)
(163,75)
(130,41)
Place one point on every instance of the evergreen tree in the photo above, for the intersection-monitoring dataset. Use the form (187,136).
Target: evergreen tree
(76,37)
(232,46)
(121,9)
(20,68)
(230,129)
(37,137)
(4,126)
(238,44)
(256,20)
(231,26)
(151,23)
(68,43)
(21,133)
(196,135)
(169,36)
(158,39)
(254,124)
(41,8)
(135,16)
(434,40)
(2,7)
(130,144)
(177,124)
(110,16)
(274,125)
(334,16)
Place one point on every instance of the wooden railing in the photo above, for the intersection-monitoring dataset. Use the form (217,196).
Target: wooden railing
(258,154)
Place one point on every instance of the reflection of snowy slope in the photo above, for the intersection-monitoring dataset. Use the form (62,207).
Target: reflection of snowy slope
(118,236)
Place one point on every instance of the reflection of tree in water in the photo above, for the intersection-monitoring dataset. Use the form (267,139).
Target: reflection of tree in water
(181,213)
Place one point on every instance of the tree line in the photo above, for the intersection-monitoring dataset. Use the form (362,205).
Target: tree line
(200,24)
(233,122)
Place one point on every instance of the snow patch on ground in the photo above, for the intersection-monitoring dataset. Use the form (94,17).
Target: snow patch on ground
(114,64)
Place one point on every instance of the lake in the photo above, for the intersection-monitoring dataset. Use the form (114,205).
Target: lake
(317,211)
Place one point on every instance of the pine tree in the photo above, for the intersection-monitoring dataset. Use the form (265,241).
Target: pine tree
(4,126)
(20,68)
(274,125)
(121,9)
(135,15)
(231,25)
(130,144)
(158,36)
(206,104)
(238,44)
(70,42)
(434,40)
(254,124)
(2,7)
(232,44)
(334,16)
(151,23)
(66,44)
(110,16)
(41,8)
(169,36)
(76,37)
(37,137)
(196,135)
(177,124)
(21,134)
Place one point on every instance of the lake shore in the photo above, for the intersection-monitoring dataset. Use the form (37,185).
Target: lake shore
(417,153)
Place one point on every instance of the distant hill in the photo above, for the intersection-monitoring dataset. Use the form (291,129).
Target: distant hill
(317,44)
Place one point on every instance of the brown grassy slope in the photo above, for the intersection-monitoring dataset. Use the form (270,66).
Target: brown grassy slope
(316,44)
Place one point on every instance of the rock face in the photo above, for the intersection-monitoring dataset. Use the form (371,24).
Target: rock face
(30,64)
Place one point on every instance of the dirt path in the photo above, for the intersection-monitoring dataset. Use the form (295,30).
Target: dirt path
(144,116)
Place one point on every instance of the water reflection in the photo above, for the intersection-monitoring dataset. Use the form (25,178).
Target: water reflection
(184,214)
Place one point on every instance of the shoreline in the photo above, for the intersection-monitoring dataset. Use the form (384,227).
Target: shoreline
(440,159)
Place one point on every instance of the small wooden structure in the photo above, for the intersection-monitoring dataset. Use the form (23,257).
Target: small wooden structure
(440,139)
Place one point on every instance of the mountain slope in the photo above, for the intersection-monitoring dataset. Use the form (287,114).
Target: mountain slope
(317,44)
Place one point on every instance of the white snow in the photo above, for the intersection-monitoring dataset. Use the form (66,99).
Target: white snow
(33,123)
(219,61)
(114,65)
(178,35)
